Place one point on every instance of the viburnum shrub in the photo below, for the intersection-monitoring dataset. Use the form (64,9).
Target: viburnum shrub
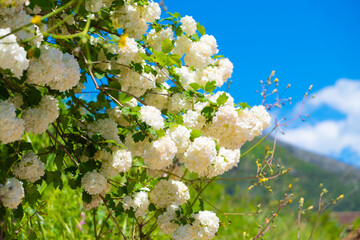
(122,104)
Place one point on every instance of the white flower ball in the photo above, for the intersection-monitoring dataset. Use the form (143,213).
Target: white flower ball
(11,127)
(30,168)
(11,193)
(167,192)
(188,25)
(115,163)
(160,153)
(93,182)
(152,117)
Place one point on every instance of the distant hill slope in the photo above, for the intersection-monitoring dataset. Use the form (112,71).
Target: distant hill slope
(308,171)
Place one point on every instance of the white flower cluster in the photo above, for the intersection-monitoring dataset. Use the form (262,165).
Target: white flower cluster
(155,39)
(152,117)
(94,182)
(58,70)
(164,220)
(11,127)
(204,227)
(200,52)
(135,83)
(138,201)
(30,168)
(158,97)
(14,19)
(11,193)
(167,192)
(37,119)
(181,136)
(11,3)
(107,128)
(160,153)
(114,163)
(220,73)
(12,56)
(95,201)
(136,148)
(133,18)
(233,127)
(93,5)
(200,155)
(188,25)
(128,52)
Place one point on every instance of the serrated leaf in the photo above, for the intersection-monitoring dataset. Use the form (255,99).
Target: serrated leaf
(59,159)
(139,136)
(222,99)
(178,31)
(32,97)
(208,112)
(86,197)
(175,60)
(195,86)
(201,29)
(195,133)
(167,45)
(210,86)
(218,56)
(19,212)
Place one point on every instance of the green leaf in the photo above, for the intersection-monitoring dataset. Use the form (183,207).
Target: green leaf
(59,159)
(218,56)
(222,99)
(175,15)
(37,52)
(201,204)
(152,207)
(4,94)
(32,195)
(139,136)
(32,236)
(167,45)
(130,186)
(244,105)
(19,212)
(195,133)
(86,197)
(208,112)
(201,29)
(32,97)
(178,31)
(210,86)
(195,86)
(175,60)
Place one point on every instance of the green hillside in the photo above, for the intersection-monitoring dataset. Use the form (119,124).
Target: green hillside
(308,171)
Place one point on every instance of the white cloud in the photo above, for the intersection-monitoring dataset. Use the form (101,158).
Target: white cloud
(330,136)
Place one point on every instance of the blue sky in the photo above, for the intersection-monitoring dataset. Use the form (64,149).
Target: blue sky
(305,42)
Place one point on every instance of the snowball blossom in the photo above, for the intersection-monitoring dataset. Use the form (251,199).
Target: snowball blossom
(139,202)
(30,168)
(37,119)
(115,163)
(11,127)
(11,193)
(188,25)
(12,56)
(164,220)
(200,155)
(167,192)
(152,117)
(204,227)
(159,153)
(58,70)
(93,182)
